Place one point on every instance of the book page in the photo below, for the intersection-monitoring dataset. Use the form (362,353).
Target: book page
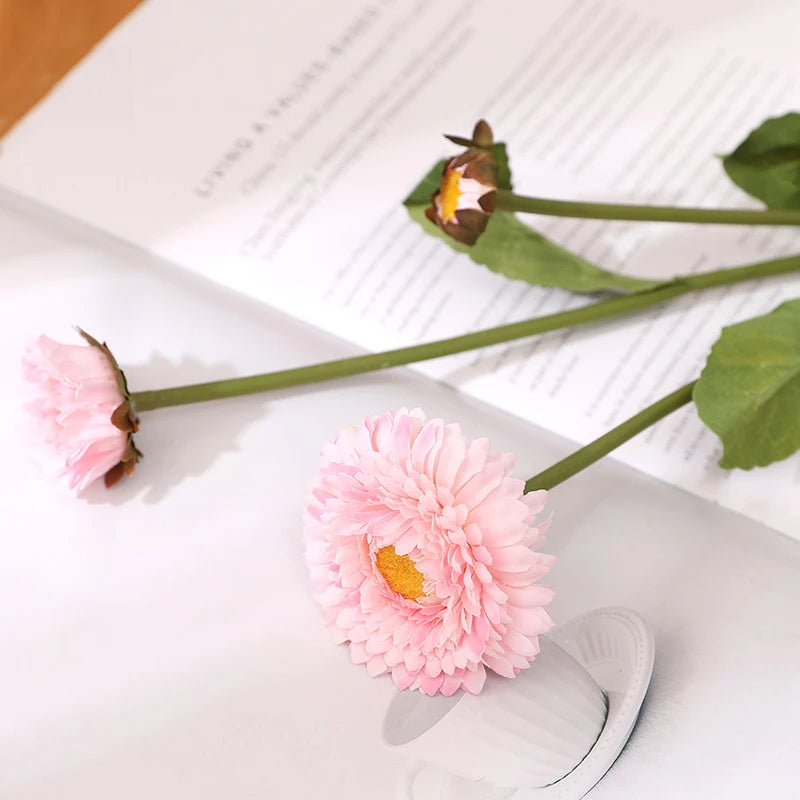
(272,155)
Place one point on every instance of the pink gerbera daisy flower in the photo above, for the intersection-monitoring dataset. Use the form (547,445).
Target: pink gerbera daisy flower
(422,552)
(81,411)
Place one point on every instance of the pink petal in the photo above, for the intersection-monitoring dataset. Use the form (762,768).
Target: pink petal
(376,666)
(450,685)
(402,677)
(473,679)
(430,686)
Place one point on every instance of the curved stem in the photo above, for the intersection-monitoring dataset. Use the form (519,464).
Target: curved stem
(595,450)
(508,201)
(328,370)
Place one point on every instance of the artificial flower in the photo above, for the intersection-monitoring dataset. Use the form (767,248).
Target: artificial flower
(464,201)
(422,550)
(82,410)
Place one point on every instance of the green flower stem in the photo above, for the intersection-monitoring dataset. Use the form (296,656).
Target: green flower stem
(508,201)
(328,370)
(595,450)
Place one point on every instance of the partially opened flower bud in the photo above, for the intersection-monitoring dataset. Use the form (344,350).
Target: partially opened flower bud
(82,410)
(423,554)
(464,201)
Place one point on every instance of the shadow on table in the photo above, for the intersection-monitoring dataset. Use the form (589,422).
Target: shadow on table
(180,442)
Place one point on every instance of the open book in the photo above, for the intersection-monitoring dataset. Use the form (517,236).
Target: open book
(269,149)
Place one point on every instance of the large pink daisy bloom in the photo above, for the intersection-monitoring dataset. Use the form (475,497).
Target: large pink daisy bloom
(422,552)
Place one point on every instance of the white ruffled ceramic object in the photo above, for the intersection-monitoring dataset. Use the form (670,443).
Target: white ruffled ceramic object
(529,731)
(552,732)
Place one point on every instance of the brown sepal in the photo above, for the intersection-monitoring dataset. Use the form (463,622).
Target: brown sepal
(481,166)
(482,134)
(461,141)
(123,418)
(472,220)
(114,475)
(486,202)
(126,465)
(461,234)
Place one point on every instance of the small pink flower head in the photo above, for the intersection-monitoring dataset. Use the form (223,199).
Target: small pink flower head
(464,201)
(82,410)
(422,553)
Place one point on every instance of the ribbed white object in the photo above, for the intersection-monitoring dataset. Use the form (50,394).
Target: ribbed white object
(527,731)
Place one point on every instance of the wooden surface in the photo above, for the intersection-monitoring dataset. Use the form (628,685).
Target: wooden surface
(40,40)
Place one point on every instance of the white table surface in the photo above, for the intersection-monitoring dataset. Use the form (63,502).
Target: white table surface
(158,640)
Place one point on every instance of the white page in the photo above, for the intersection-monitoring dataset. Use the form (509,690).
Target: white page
(268,148)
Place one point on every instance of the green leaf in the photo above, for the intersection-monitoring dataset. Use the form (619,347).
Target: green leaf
(500,155)
(749,390)
(515,250)
(767,163)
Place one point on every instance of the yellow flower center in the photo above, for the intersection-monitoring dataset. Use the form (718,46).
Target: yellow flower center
(450,194)
(400,573)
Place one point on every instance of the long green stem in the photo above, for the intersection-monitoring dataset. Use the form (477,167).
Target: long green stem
(508,201)
(595,450)
(328,370)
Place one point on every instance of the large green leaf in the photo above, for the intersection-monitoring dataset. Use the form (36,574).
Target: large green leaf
(515,250)
(749,390)
(767,163)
